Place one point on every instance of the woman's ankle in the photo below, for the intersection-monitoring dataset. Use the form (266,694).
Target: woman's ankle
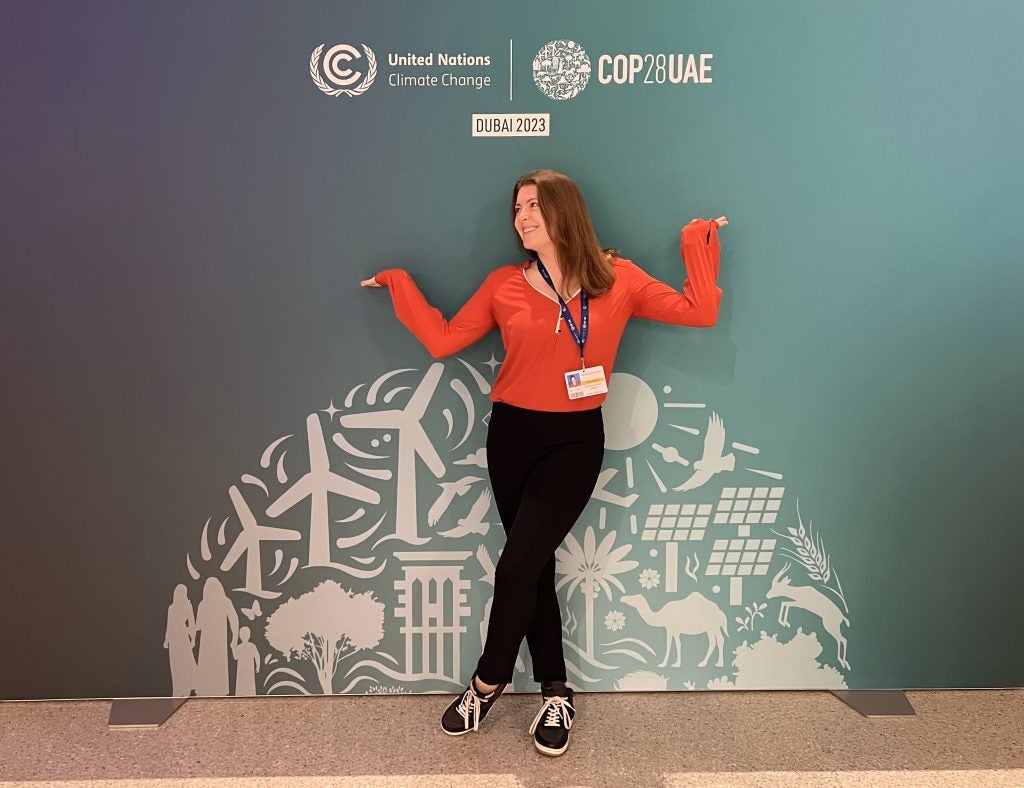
(482,688)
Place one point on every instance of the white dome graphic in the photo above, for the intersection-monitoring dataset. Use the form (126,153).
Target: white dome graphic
(357,553)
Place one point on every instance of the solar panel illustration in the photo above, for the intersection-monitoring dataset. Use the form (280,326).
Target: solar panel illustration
(749,505)
(744,556)
(740,557)
(676,522)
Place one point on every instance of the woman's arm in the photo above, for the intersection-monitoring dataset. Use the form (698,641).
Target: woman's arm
(439,336)
(697,305)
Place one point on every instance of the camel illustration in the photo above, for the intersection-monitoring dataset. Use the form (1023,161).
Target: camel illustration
(692,615)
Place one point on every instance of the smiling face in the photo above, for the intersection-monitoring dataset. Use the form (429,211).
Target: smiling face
(562,231)
(529,221)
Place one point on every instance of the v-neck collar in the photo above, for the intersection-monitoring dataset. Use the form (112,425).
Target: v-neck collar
(547,292)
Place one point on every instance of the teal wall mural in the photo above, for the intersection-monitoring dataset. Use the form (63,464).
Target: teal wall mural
(229,470)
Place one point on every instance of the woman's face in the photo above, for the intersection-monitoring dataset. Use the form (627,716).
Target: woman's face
(529,222)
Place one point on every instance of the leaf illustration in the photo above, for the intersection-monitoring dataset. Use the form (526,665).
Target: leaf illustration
(248,478)
(204,546)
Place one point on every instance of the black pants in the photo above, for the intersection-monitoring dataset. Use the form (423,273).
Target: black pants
(543,468)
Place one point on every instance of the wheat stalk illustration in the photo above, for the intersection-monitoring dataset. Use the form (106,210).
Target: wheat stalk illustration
(362,87)
(810,553)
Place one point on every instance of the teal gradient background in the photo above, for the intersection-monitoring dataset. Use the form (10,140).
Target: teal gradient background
(186,219)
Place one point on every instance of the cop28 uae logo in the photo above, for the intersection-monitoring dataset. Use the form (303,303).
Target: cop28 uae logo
(347,81)
(561,69)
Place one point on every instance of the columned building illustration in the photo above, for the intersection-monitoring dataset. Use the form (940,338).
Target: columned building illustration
(432,601)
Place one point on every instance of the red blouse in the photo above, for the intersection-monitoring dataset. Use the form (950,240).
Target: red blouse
(537,357)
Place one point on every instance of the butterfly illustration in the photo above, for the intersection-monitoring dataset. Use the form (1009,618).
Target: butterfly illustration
(253,612)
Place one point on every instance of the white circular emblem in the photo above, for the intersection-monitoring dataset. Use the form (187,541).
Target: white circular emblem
(561,69)
(337,69)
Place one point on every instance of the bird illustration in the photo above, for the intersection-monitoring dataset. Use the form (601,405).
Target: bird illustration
(448,492)
(486,563)
(474,522)
(713,460)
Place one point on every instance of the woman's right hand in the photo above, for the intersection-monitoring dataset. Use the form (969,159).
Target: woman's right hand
(371,282)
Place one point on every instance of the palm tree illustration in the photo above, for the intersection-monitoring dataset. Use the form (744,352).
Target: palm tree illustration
(593,568)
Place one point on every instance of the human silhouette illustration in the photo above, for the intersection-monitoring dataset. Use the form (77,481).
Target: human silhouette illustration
(217,624)
(247,664)
(180,640)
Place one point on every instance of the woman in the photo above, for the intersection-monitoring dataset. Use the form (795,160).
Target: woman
(179,640)
(215,616)
(561,316)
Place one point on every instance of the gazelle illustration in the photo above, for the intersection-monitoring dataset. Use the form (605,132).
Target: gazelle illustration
(813,601)
(692,615)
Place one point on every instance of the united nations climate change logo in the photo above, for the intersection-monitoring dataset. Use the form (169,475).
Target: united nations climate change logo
(561,69)
(347,81)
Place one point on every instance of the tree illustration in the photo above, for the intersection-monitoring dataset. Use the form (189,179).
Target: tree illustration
(324,626)
(591,567)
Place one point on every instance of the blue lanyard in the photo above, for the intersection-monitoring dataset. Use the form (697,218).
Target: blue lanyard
(579,335)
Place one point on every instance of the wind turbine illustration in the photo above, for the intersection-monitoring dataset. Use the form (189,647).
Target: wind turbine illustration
(413,442)
(248,542)
(315,485)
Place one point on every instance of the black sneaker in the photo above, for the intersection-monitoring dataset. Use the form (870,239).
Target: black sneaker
(465,712)
(550,728)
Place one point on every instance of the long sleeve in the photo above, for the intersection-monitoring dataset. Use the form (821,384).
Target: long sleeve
(697,305)
(439,336)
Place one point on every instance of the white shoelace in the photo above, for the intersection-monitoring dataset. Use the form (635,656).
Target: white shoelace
(555,712)
(470,707)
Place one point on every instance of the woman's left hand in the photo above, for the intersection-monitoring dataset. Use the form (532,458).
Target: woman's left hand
(721,221)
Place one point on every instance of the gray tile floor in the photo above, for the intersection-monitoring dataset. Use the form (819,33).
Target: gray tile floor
(964,738)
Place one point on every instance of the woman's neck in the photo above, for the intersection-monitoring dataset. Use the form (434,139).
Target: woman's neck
(549,257)
(550,261)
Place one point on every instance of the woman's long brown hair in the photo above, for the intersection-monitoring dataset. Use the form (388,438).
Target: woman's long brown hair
(580,256)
